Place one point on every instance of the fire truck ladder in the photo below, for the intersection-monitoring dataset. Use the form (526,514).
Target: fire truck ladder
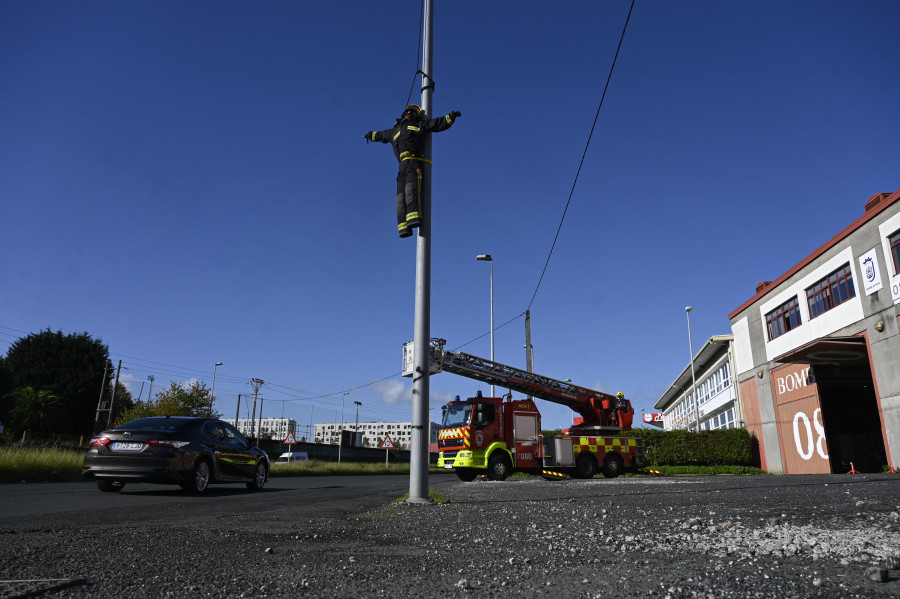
(574,397)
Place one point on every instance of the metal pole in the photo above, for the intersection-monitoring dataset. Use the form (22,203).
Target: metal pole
(488,258)
(492,319)
(256,384)
(529,364)
(237,413)
(341,429)
(356,427)
(212,394)
(418,459)
(693,378)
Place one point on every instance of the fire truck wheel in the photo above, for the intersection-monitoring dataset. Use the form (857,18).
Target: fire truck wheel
(613,466)
(585,466)
(498,466)
(466,475)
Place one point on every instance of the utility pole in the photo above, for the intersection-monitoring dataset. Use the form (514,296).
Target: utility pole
(237,413)
(150,378)
(256,384)
(100,401)
(418,457)
(113,400)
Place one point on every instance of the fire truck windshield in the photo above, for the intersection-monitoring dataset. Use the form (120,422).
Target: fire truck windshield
(458,414)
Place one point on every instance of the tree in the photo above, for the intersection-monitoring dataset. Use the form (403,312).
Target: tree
(193,399)
(38,411)
(6,389)
(68,366)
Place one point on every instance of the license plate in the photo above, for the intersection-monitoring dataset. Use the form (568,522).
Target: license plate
(448,466)
(127,446)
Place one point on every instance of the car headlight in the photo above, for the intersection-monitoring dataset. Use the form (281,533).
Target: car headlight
(464,454)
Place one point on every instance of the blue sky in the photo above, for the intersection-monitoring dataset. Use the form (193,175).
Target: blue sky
(188,182)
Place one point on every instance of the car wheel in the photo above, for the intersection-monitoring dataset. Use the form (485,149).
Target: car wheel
(259,478)
(466,475)
(613,466)
(585,466)
(498,466)
(200,479)
(109,486)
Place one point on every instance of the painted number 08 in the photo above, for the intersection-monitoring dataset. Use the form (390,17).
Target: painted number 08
(806,449)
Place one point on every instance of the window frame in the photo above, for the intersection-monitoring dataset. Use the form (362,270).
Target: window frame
(894,243)
(827,293)
(780,320)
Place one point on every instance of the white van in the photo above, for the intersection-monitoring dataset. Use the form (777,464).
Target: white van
(289,458)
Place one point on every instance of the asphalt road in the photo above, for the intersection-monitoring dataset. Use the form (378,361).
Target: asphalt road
(773,536)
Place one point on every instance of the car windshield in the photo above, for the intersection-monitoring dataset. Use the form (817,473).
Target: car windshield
(156,424)
(457,414)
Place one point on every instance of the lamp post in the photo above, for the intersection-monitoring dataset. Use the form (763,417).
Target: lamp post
(212,394)
(487,258)
(687,311)
(341,429)
(356,426)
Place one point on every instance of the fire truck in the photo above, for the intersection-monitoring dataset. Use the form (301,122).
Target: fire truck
(496,436)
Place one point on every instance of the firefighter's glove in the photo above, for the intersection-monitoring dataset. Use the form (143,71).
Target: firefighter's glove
(368,136)
(454,115)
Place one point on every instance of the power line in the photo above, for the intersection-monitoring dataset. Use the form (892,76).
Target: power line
(583,155)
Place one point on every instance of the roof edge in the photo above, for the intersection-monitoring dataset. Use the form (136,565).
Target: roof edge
(875,205)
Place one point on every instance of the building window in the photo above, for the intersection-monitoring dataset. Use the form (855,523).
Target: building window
(895,251)
(833,290)
(784,318)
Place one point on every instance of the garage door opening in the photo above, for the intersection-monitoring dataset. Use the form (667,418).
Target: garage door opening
(851,420)
(850,417)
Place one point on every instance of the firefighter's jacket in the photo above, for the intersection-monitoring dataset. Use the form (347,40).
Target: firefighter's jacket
(408,137)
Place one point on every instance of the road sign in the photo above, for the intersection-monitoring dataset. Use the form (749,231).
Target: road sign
(290,440)
(387,443)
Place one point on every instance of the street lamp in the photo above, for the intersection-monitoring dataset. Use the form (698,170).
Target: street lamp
(341,429)
(356,428)
(487,258)
(687,310)
(212,394)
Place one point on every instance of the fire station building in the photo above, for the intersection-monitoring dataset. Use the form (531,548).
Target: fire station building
(817,352)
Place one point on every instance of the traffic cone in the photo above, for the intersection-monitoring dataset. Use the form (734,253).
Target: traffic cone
(852,469)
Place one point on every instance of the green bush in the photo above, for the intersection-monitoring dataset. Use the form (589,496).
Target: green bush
(725,447)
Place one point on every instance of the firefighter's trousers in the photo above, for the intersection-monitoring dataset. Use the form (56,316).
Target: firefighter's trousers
(409,194)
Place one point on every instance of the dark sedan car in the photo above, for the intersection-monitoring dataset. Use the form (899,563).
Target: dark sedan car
(191,452)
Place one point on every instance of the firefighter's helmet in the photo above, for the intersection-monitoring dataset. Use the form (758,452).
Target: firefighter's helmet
(620,395)
(414,110)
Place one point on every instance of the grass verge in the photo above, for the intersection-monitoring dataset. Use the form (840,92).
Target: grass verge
(39,464)
(329,468)
(703,470)
(52,464)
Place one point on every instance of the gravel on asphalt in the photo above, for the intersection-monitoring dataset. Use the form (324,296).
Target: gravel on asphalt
(682,537)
